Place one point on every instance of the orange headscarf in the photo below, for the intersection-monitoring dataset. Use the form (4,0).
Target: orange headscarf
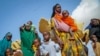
(70,21)
(58,17)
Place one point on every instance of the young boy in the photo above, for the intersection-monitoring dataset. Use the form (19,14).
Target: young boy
(48,47)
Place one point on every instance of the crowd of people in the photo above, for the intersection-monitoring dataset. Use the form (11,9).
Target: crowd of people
(61,37)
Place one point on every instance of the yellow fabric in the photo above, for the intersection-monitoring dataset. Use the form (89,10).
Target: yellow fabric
(16,45)
(80,25)
(86,31)
(97,49)
(76,47)
(44,25)
(53,25)
(34,48)
(87,36)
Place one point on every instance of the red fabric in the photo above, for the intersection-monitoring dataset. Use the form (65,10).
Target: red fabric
(70,21)
(58,17)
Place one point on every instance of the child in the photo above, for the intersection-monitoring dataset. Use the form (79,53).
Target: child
(49,47)
(8,52)
(18,53)
(36,45)
(69,21)
(96,45)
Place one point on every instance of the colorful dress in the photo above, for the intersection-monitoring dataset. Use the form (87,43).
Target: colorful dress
(71,48)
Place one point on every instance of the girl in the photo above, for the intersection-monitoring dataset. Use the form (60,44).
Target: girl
(36,46)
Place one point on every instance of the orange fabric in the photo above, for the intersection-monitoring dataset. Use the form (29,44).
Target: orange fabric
(70,21)
(58,17)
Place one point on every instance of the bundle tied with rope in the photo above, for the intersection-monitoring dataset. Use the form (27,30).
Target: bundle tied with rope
(44,25)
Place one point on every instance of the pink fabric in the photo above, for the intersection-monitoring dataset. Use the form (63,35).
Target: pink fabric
(61,26)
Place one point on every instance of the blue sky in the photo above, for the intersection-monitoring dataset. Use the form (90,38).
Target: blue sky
(14,13)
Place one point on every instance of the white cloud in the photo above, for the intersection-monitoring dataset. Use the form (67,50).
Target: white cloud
(86,10)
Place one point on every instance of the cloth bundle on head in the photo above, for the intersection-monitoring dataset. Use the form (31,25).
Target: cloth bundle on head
(16,45)
(44,25)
